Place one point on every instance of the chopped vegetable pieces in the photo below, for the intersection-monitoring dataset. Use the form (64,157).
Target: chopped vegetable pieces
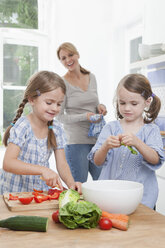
(13,197)
(25,200)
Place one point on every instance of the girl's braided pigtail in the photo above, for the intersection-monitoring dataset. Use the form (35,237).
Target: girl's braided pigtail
(51,136)
(153,111)
(18,115)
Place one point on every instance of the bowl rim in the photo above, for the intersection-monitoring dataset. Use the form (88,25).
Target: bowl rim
(139,185)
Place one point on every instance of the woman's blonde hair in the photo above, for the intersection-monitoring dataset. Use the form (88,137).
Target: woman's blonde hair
(139,84)
(41,82)
(72,49)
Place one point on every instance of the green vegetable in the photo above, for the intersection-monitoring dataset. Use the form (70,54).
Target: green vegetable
(74,213)
(80,214)
(69,195)
(133,151)
(25,223)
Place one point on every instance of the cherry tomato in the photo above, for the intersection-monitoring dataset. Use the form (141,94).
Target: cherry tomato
(41,198)
(38,191)
(25,200)
(13,197)
(55,196)
(55,216)
(105,223)
(52,191)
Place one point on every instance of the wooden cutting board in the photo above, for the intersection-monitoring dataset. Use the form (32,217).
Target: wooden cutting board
(16,205)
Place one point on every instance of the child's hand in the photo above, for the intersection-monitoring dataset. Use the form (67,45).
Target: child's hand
(113,142)
(129,139)
(51,178)
(76,186)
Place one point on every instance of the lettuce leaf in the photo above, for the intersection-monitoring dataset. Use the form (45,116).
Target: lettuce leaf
(68,196)
(80,214)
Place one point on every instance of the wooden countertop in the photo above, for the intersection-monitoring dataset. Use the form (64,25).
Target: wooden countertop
(147,229)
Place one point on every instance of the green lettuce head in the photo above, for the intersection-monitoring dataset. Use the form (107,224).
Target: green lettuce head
(69,195)
(80,214)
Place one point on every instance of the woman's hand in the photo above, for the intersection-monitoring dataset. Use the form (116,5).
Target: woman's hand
(89,114)
(76,186)
(102,109)
(51,178)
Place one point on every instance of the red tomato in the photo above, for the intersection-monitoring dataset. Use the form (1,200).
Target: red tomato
(105,223)
(38,191)
(41,198)
(25,200)
(13,197)
(38,199)
(55,216)
(54,196)
(52,191)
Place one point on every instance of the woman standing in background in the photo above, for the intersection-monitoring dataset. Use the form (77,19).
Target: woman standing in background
(80,103)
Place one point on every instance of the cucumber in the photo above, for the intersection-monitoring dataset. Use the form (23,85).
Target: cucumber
(25,223)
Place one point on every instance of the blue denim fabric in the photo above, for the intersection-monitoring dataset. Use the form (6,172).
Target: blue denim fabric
(76,156)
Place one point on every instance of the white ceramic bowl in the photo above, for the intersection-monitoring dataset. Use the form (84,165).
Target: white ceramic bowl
(114,196)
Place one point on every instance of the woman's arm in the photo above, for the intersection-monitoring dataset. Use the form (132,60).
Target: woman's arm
(70,118)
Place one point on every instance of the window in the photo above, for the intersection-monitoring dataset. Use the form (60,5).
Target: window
(19,62)
(19,14)
(23,50)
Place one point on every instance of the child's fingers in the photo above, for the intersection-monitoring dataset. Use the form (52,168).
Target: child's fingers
(120,137)
(59,183)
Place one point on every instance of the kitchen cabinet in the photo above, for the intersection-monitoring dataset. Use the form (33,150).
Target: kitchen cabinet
(143,64)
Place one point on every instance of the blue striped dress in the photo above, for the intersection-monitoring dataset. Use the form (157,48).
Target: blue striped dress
(32,150)
(121,164)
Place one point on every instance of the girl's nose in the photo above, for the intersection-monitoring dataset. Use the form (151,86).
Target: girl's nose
(127,107)
(55,107)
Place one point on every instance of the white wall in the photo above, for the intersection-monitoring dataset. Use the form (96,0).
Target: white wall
(154,20)
(88,25)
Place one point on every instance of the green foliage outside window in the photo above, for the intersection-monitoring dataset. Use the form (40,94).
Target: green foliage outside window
(19,61)
(19,13)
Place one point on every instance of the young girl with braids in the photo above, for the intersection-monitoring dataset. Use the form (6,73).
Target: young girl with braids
(137,107)
(31,139)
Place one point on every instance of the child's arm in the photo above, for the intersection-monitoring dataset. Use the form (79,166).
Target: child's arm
(64,170)
(12,164)
(148,153)
(111,142)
